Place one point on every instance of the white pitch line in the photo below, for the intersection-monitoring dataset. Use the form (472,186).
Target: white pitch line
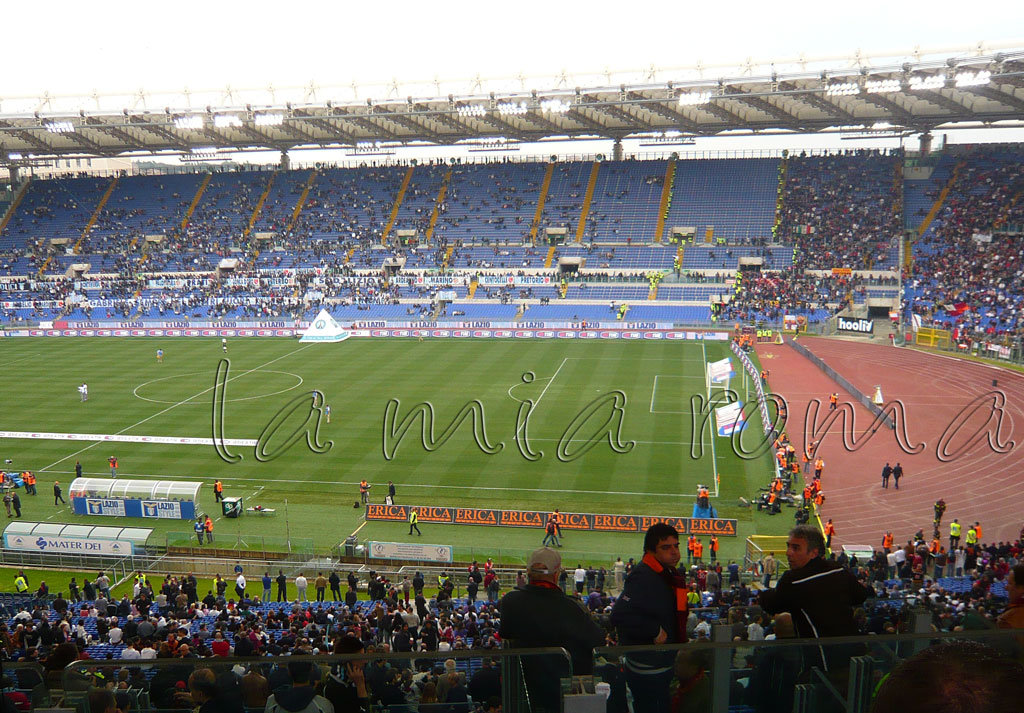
(654,392)
(659,494)
(550,381)
(15,361)
(159,413)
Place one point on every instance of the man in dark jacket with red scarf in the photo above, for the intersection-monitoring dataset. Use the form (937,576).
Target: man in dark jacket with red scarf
(652,610)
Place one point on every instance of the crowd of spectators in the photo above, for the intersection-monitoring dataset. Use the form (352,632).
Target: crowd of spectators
(951,267)
(844,209)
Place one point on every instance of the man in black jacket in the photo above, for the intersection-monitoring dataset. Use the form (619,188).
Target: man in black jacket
(650,611)
(282,587)
(818,593)
(542,615)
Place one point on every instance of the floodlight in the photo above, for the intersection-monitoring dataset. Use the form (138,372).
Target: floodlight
(269,119)
(224,121)
(927,82)
(189,121)
(973,79)
(513,108)
(472,110)
(694,98)
(14,156)
(60,127)
(842,89)
(882,86)
(555,106)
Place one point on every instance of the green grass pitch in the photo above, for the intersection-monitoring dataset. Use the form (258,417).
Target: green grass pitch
(130,393)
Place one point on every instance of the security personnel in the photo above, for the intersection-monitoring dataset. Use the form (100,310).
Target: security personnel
(972,536)
(940,508)
(887,542)
(713,547)
(691,543)
(20,584)
(954,534)
(364,491)
(819,465)
(977,529)
(698,550)
(30,482)
(208,524)
(830,530)
(218,491)
(414,518)
(833,402)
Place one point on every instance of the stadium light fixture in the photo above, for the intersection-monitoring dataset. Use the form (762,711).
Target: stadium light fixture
(973,79)
(60,127)
(554,106)
(512,108)
(226,121)
(269,119)
(842,89)
(189,121)
(472,110)
(14,156)
(694,98)
(927,82)
(882,86)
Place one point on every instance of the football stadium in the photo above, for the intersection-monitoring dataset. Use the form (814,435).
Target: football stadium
(529,395)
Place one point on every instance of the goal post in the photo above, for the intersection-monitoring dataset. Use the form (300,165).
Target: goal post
(758,546)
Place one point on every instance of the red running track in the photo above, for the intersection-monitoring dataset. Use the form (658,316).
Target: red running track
(980,485)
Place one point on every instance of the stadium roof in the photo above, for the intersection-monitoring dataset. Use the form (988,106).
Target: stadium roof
(859,96)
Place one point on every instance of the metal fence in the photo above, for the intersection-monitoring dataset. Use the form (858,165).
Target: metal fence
(842,381)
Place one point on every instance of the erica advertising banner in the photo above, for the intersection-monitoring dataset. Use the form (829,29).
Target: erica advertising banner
(538,519)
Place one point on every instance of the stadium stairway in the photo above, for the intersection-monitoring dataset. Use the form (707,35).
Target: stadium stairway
(581,225)
(472,288)
(398,204)
(666,200)
(14,205)
(447,257)
(549,258)
(937,206)
(302,199)
(544,187)
(437,206)
(95,216)
(259,206)
(780,199)
(195,200)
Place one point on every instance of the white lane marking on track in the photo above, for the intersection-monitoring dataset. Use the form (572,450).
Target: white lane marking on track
(183,401)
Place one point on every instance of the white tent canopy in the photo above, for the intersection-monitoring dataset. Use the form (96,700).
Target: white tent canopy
(325,329)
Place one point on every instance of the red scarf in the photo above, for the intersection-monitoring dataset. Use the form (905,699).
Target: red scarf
(678,585)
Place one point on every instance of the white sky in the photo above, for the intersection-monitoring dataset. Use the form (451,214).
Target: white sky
(117,45)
